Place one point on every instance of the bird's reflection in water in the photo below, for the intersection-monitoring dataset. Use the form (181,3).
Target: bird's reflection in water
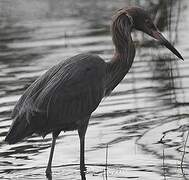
(49,177)
(82,173)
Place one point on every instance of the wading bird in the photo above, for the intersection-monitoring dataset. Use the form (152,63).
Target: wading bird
(64,98)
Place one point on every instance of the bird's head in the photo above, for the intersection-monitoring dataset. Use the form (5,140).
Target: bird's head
(140,20)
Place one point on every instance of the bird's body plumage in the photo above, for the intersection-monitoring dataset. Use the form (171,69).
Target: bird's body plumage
(71,87)
(70,91)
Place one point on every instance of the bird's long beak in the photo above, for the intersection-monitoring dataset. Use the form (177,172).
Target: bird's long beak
(157,35)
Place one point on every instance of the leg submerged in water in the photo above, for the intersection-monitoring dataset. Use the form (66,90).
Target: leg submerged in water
(82,132)
(48,169)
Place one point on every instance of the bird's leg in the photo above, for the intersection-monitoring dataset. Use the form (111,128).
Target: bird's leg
(48,169)
(82,131)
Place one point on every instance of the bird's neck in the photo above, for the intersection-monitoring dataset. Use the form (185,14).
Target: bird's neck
(124,53)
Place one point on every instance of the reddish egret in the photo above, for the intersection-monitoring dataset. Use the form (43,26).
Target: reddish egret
(64,97)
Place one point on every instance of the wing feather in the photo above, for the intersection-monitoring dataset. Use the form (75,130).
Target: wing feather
(69,91)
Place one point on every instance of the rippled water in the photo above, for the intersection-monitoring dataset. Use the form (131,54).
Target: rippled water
(144,121)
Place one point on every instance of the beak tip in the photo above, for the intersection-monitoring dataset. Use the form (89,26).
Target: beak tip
(158,36)
(181,58)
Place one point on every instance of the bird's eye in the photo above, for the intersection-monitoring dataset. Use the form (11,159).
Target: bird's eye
(149,24)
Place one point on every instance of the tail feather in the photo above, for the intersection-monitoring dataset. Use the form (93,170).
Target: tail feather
(18,131)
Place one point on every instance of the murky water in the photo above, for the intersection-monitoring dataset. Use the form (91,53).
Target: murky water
(144,121)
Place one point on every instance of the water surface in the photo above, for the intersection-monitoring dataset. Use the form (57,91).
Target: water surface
(144,121)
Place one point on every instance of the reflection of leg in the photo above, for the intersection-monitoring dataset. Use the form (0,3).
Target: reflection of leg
(82,175)
(48,169)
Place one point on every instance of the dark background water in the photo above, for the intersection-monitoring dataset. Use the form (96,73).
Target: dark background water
(150,104)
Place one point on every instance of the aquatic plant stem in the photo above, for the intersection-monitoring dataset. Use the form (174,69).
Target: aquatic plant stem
(106,166)
(184,151)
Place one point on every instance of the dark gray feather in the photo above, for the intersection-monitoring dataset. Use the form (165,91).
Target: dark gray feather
(64,95)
